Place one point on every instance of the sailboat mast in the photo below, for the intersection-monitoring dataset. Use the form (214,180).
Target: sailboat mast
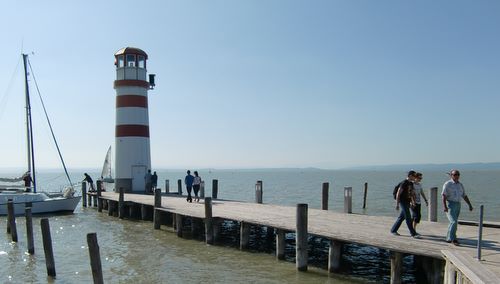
(29,126)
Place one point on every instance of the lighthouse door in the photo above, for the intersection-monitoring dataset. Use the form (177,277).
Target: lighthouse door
(138,181)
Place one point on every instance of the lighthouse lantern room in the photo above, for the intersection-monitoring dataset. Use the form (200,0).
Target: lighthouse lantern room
(132,150)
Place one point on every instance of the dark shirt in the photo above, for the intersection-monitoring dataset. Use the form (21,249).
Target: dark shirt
(88,179)
(189,180)
(406,189)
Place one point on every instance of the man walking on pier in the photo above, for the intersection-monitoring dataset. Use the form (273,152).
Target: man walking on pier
(188,180)
(404,198)
(453,192)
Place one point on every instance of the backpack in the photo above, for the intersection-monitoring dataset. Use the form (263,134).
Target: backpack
(395,191)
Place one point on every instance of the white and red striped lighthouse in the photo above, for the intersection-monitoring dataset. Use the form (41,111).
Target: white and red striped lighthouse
(132,150)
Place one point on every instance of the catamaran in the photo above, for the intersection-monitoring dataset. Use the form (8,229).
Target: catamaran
(26,193)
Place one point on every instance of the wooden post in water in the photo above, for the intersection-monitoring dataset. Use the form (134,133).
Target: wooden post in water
(99,194)
(11,220)
(121,204)
(334,255)
(301,238)
(258,192)
(215,188)
(480,232)
(84,194)
(178,225)
(396,267)
(111,207)
(244,235)
(348,199)
(433,204)
(324,196)
(179,186)
(29,229)
(364,195)
(144,212)
(157,213)
(209,222)
(95,258)
(47,248)
(280,244)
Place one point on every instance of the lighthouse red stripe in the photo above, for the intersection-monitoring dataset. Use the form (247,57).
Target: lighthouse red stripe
(131,83)
(131,101)
(132,130)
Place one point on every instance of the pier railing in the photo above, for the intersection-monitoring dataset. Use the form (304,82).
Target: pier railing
(462,268)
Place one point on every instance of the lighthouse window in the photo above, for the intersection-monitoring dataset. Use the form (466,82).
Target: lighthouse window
(141,61)
(121,61)
(130,60)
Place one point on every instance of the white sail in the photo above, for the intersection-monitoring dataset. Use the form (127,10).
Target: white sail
(106,167)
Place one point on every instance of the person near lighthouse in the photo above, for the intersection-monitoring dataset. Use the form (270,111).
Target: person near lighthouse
(189,185)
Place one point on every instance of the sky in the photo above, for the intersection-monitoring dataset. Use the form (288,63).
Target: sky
(260,84)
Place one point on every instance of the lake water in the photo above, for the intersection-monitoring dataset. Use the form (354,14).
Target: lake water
(133,251)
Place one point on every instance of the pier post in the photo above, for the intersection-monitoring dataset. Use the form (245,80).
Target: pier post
(47,248)
(396,267)
(348,199)
(301,238)
(144,212)
(29,230)
(157,213)
(121,204)
(209,222)
(364,195)
(334,255)
(215,188)
(433,204)
(99,195)
(95,258)
(11,220)
(258,192)
(280,244)
(179,186)
(167,186)
(178,226)
(324,196)
(244,235)
(84,194)
(111,205)
(202,189)
(480,232)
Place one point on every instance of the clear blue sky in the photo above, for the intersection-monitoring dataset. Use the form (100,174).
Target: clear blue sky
(244,84)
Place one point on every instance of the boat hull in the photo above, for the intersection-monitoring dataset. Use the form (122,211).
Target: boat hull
(51,205)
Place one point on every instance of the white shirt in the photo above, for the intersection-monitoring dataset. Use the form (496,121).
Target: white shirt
(197,180)
(454,191)
(417,188)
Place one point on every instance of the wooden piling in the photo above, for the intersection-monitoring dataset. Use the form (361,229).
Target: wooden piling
(111,207)
(480,232)
(244,235)
(157,213)
(99,194)
(433,204)
(179,186)
(47,248)
(334,256)
(215,188)
(29,230)
(348,199)
(84,194)
(324,196)
(209,223)
(280,244)
(258,192)
(167,186)
(144,212)
(396,267)
(11,220)
(301,238)
(364,195)
(202,189)
(178,225)
(95,258)
(121,204)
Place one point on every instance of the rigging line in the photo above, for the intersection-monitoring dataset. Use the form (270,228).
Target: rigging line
(50,125)
(3,101)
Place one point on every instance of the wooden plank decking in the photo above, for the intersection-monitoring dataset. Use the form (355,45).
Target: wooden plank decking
(349,228)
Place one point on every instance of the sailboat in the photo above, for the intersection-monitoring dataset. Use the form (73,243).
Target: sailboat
(106,175)
(40,202)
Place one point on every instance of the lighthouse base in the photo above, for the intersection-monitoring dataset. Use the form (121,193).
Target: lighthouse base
(125,183)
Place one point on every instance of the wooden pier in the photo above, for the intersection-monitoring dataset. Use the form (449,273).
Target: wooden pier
(444,262)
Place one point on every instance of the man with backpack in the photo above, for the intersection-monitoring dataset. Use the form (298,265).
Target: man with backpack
(404,198)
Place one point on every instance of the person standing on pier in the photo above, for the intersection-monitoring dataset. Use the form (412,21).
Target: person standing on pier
(416,210)
(404,198)
(89,180)
(154,181)
(196,185)
(147,181)
(189,185)
(453,192)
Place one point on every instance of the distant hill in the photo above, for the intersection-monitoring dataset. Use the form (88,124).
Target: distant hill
(432,167)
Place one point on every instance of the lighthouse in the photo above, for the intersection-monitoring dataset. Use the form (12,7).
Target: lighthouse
(132,150)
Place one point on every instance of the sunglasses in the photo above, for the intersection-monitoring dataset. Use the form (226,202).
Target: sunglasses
(456,175)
